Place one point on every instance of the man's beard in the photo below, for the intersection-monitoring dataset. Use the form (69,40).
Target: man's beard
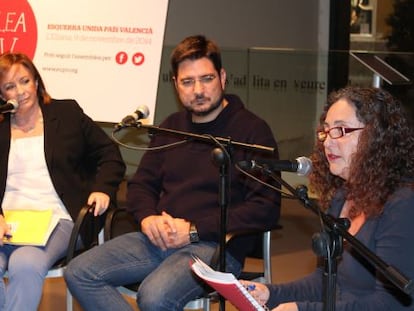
(213,107)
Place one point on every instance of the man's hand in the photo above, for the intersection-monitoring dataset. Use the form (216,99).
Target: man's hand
(165,231)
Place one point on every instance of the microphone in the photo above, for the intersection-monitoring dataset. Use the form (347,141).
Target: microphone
(301,166)
(10,106)
(142,112)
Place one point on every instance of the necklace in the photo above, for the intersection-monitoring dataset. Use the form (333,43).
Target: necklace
(24,129)
(27,127)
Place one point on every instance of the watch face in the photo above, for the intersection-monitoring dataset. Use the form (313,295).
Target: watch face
(194,237)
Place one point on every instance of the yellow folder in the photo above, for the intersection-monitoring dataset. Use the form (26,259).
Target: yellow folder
(30,227)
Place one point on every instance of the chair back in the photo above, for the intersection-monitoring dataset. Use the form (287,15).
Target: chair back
(261,251)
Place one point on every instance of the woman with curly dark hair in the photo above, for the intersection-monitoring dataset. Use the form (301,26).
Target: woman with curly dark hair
(363,169)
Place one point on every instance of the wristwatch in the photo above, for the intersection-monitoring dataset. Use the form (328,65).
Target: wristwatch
(194,238)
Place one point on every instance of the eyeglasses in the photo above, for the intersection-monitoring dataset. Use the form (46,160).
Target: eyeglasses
(190,82)
(335,132)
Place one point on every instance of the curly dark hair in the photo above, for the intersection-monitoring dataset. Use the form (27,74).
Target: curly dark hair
(384,156)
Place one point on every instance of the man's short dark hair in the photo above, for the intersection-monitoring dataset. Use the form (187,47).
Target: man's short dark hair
(193,48)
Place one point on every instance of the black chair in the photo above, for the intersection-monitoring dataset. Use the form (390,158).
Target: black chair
(119,221)
(90,228)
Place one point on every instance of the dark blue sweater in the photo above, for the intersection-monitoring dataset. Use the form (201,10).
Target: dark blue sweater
(359,286)
(184,181)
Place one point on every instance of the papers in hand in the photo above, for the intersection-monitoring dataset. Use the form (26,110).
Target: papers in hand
(30,227)
(226,285)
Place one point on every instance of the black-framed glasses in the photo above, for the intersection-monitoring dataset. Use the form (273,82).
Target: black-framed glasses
(335,132)
(190,82)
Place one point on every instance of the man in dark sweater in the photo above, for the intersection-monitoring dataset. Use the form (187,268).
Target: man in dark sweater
(174,196)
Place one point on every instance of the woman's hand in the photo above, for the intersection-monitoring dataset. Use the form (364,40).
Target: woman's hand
(101,201)
(259,291)
(288,306)
(4,229)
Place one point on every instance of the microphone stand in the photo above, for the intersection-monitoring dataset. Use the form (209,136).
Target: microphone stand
(205,138)
(334,231)
(221,158)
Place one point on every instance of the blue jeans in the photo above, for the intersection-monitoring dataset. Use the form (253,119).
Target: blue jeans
(27,267)
(167,280)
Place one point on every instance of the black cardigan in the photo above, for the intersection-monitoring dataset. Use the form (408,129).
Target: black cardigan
(80,156)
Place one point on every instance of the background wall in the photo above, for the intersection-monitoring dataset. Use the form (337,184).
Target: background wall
(250,23)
